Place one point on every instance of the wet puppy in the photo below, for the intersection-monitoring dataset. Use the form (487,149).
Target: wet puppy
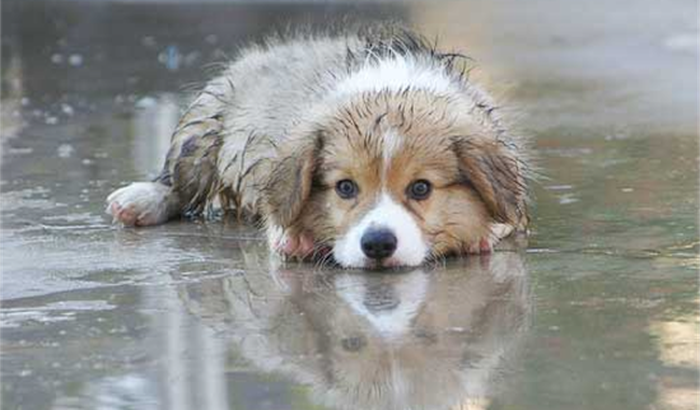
(372,147)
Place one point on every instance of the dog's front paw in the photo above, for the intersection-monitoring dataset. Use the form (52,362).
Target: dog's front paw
(299,246)
(486,244)
(295,246)
(139,204)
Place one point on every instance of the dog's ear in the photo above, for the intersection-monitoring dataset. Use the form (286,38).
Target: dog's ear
(495,173)
(290,180)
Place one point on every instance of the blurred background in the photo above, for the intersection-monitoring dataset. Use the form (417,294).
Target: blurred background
(97,317)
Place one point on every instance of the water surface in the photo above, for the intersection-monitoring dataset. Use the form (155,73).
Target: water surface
(599,311)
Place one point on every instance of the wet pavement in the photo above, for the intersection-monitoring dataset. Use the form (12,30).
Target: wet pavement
(600,311)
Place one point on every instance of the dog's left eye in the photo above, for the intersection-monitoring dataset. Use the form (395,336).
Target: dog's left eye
(346,189)
(419,189)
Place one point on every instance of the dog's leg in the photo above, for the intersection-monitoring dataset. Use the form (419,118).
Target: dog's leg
(189,177)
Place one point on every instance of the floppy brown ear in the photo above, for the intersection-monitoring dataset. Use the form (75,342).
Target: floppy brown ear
(289,182)
(497,176)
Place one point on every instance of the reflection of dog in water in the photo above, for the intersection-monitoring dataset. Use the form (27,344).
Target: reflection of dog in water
(420,340)
(372,146)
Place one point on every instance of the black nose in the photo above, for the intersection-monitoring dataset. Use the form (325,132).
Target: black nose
(378,243)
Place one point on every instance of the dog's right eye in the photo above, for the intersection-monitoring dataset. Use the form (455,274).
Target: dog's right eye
(346,189)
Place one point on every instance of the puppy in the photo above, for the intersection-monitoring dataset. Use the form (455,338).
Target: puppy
(370,147)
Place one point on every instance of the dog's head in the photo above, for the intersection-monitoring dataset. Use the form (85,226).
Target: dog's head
(392,179)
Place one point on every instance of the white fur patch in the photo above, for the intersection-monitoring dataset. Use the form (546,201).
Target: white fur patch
(396,74)
(391,145)
(411,248)
(500,231)
(275,237)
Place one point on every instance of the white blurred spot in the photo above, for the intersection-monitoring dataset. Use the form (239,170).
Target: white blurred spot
(75,60)
(65,151)
(687,42)
(67,109)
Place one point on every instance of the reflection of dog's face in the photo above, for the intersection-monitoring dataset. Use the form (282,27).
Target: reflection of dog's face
(418,340)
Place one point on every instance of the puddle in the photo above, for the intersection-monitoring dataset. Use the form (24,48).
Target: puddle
(600,311)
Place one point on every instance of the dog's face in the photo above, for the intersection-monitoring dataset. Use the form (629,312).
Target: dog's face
(391,180)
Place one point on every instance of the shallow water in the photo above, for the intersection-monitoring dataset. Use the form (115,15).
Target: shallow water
(599,312)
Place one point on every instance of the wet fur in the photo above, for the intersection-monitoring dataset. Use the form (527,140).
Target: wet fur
(263,139)
(477,180)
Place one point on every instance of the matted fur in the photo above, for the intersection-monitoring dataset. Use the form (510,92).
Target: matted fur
(272,134)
